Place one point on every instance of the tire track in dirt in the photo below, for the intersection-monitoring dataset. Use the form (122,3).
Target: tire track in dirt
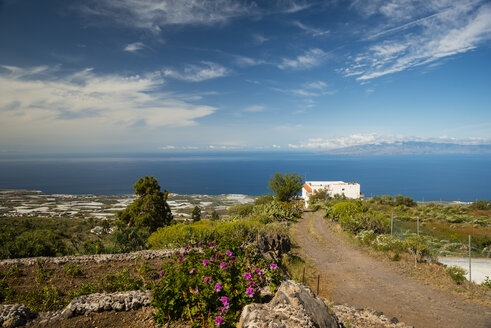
(357,279)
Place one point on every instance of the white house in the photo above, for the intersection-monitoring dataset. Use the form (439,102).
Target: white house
(349,189)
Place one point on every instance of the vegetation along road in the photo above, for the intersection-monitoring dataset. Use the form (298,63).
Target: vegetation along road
(357,279)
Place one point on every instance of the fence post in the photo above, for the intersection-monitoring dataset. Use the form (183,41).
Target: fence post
(392,224)
(470,258)
(318,279)
(303,276)
(418,225)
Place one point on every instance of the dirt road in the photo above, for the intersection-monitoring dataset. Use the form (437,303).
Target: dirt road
(357,279)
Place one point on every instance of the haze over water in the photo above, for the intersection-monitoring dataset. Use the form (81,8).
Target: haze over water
(423,177)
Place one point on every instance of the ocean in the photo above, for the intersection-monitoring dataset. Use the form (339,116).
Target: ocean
(422,177)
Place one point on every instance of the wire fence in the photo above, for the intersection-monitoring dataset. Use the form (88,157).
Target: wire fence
(465,247)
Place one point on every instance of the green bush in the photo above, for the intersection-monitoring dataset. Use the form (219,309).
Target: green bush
(119,282)
(236,232)
(85,289)
(276,211)
(456,273)
(73,270)
(265,199)
(417,246)
(481,205)
(49,298)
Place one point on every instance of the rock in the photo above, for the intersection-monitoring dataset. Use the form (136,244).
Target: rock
(67,313)
(394,320)
(294,305)
(274,246)
(15,315)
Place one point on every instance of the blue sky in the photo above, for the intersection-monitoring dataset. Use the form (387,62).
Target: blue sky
(170,75)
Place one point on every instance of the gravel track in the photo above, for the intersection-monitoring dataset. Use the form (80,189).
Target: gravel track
(357,279)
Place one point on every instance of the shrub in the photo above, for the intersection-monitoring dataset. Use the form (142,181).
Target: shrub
(456,273)
(387,243)
(73,270)
(236,232)
(241,210)
(366,236)
(417,246)
(119,282)
(276,211)
(486,282)
(85,289)
(481,205)
(49,298)
(262,200)
(211,287)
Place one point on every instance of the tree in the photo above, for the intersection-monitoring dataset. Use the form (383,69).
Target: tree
(214,216)
(150,209)
(196,214)
(285,187)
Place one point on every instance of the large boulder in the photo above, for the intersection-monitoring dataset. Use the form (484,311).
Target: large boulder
(294,305)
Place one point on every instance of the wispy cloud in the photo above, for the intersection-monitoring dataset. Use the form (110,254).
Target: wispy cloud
(310,58)
(152,14)
(419,33)
(45,98)
(259,39)
(311,30)
(309,89)
(320,85)
(134,47)
(244,61)
(254,108)
(195,73)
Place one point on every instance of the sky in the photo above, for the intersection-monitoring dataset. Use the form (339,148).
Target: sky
(193,75)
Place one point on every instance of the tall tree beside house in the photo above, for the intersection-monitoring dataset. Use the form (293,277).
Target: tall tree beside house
(196,214)
(286,186)
(150,209)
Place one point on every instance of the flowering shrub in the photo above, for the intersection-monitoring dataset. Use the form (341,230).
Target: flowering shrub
(387,242)
(210,287)
(366,236)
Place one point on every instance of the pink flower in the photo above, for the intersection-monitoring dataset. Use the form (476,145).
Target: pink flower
(272,266)
(247,276)
(200,244)
(207,279)
(250,292)
(205,262)
(162,273)
(224,299)
(187,248)
(182,260)
(193,270)
(223,265)
(211,244)
(229,253)
(218,255)
(258,271)
(219,320)
(218,287)
(251,283)
(196,290)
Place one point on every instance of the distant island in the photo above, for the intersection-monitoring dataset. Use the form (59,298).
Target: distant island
(410,148)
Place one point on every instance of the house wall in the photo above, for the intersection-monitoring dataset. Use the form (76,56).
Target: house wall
(350,190)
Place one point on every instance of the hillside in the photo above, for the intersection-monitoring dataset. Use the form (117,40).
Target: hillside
(411,147)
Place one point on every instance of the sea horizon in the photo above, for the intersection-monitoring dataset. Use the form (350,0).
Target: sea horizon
(461,177)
